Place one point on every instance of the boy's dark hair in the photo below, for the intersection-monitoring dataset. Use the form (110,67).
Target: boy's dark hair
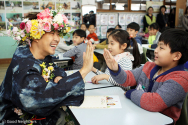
(91,25)
(163,6)
(122,37)
(110,30)
(150,7)
(154,26)
(119,26)
(80,33)
(134,26)
(177,41)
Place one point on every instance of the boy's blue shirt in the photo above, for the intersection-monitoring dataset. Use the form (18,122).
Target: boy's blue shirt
(138,40)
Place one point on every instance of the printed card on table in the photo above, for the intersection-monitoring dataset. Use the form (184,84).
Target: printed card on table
(93,102)
(103,102)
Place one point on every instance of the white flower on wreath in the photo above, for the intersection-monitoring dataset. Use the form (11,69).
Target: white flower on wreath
(22,33)
(15,30)
(58,18)
(25,20)
(18,38)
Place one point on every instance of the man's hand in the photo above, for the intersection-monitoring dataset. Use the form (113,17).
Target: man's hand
(56,80)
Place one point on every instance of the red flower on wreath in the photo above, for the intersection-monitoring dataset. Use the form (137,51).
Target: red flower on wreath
(22,25)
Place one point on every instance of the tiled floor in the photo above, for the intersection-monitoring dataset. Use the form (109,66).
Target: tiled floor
(3,69)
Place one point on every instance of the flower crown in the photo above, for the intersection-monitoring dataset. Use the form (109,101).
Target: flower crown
(46,21)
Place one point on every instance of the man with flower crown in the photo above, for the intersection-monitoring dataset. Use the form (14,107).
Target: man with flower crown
(34,88)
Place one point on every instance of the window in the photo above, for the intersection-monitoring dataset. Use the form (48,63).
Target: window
(169,5)
(137,5)
(119,4)
(103,4)
(129,5)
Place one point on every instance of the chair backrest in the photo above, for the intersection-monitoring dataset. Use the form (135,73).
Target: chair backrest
(183,120)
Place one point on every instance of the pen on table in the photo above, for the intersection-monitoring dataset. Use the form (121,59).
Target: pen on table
(88,82)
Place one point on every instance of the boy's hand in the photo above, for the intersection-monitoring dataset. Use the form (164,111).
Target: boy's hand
(94,45)
(56,80)
(110,61)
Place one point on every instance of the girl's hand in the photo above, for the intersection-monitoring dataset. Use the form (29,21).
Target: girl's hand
(110,61)
(94,69)
(88,60)
(56,80)
(97,78)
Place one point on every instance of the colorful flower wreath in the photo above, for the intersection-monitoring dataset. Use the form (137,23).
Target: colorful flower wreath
(46,21)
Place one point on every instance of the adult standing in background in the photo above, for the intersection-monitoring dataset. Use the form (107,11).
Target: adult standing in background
(92,18)
(148,19)
(171,18)
(185,20)
(162,18)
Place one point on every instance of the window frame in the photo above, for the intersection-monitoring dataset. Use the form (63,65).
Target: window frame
(129,7)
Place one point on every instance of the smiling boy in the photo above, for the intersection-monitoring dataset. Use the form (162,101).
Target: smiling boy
(80,47)
(162,85)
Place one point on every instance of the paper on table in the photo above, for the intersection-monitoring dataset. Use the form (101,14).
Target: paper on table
(93,102)
(100,102)
(113,101)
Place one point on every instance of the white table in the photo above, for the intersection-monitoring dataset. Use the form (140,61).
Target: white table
(147,46)
(99,51)
(88,77)
(129,114)
(61,58)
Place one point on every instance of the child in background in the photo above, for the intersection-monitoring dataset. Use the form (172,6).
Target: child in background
(162,84)
(92,36)
(154,33)
(104,44)
(119,40)
(80,47)
(118,26)
(83,26)
(133,29)
(62,47)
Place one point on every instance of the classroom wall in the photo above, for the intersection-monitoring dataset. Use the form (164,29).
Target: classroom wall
(180,4)
(7,47)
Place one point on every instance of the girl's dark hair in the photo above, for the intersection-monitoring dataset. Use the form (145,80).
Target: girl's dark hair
(80,33)
(186,10)
(150,7)
(122,37)
(118,26)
